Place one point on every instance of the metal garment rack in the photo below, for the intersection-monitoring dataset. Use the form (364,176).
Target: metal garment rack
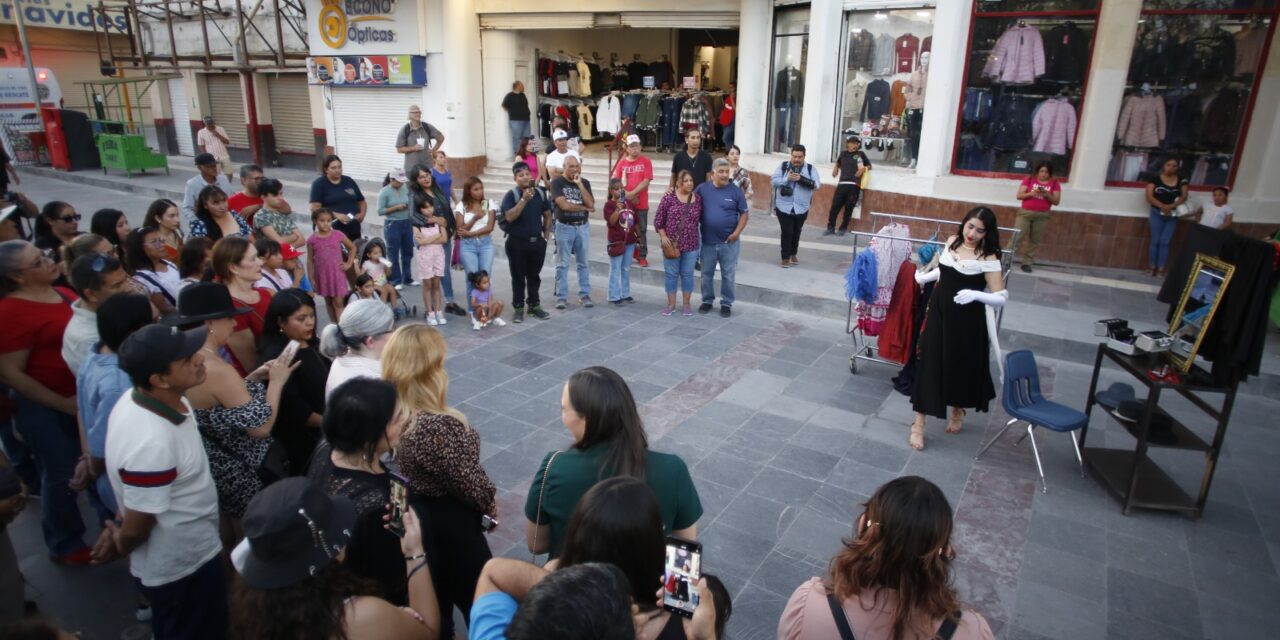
(863,348)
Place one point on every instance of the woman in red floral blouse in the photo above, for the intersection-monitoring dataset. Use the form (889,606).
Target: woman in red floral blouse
(439,455)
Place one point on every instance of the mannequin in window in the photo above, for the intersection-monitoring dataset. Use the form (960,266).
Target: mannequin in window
(915,106)
(788,95)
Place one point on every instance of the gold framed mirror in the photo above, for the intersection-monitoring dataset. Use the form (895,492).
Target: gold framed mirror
(1206,284)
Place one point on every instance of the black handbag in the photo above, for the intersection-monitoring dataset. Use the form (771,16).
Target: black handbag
(275,463)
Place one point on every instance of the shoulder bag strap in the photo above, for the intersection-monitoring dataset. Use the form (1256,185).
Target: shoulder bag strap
(542,492)
(949,625)
(842,622)
(164,292)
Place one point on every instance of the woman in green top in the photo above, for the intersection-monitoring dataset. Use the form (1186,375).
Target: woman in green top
(609,440)
(393,204)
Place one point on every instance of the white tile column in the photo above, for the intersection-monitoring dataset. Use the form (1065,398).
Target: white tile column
(945,89)
(822,72)
(756,28)
(1112,49)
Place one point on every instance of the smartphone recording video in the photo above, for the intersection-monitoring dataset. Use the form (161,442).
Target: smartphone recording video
(680,576)
(399,504)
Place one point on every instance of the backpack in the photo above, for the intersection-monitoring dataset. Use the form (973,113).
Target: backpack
(503,223)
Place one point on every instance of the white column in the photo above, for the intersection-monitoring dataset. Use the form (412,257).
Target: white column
(499,68)
(1112,48)
(951,22)
(1256,167)
(454,98)
(822,72)
(756,28)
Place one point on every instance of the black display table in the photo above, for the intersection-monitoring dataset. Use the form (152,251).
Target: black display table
(1133,477)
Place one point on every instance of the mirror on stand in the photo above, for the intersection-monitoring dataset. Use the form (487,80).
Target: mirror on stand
(1206,285)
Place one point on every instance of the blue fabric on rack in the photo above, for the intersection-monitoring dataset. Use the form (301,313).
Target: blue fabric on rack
(860,279)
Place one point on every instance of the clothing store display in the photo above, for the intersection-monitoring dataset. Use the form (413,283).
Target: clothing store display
(876,102)
(1249,43)
(1222,118)
(973,154)
(906,52)
(662,72)
(585,122)
(977,104)
(619,80)
(954,363)
(598,75)
(1053,129)
(1018,57)
(1142,121)
(862,46)
(571,85)
(636,71)
(609,115)
(897,97)
(694,114)
(1183,120)
(788,87)
(584,78)
(884,57)
(895,335)
(1010,127)
(916,86)
(926,45)
(1213,56)
(1159,57)
(1066,54)
(889,254)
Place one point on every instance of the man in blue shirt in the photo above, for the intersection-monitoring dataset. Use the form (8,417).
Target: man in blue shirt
(526,219)
(724,216)
(793,184)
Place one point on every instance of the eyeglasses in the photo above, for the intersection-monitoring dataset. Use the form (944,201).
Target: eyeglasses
(157,243)
(46,258)
(75,217)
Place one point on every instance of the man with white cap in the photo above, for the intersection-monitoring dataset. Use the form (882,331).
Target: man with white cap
(213,139)
(393,204)
(636,172)
(555,159)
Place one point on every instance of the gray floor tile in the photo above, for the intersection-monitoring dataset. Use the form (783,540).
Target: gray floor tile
(1223,618)
(783,486)
(878,455)
(726,469)
(1067,536)
(771,426)
(760,517)
(804,462)
(859,478)
(1054,614)
(1169,563)
(837,504)
(724,413)
(814,534)
(1065,572)
(1121,625)
(826,440)
(755,614)
(839,419)
(1148,598)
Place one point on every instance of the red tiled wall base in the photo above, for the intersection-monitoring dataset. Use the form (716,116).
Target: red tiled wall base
(1086,239)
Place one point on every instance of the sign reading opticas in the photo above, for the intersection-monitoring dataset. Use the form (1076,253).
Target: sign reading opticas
(362,26)
(53,14)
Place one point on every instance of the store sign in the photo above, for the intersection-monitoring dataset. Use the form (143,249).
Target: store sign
(59,14)
(362,26)
(368,71)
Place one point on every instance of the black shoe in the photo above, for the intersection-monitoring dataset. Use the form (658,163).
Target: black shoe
(829,232)
(538,313)
(586,302)
(725,311)
(562,303)
(518,315)
(618,303)
(840,233)
(453,308)
(704,307)
(629,300)
(1026,268)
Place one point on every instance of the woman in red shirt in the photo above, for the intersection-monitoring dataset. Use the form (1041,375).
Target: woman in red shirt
(44,389)
(1038,193)
(237,265)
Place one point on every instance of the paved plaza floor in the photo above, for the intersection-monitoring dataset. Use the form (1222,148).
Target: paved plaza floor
(784,444)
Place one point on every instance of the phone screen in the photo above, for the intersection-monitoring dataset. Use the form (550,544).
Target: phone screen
(399,503)
(680,576)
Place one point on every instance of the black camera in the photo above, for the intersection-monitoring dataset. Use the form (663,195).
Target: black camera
(786,190)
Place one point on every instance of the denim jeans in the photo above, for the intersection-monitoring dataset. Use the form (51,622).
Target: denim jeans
(446,280)
(575,240)
(191,607)
(518,129)
(726,255)
(679,271)
(399,236)
(728,135)
(620,274)
(477,255)
(54,439)
(1162,228)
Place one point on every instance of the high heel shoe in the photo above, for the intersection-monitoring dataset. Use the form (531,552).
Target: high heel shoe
(917,435)
(955,422)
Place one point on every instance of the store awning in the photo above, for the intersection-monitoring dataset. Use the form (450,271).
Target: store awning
(634,19)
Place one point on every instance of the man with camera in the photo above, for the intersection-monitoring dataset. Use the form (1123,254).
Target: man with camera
(526,219)
(794,182)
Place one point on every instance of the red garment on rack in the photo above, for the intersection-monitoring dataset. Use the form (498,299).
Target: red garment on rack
(895,336)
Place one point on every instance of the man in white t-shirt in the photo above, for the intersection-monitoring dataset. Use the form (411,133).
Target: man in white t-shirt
(213,140)
(95,278)
(555,159)
(160,475)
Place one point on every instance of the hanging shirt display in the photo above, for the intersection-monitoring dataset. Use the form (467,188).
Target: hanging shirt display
(1018,57)
(876,102)
(1142,122)
(609,115)
(861,48)
(883,60)
(1066,53)
(1053,128)
(906,51)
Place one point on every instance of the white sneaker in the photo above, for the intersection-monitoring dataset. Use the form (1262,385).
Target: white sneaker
(500,322)
(475,325)
(399,287)
(440,318)
(431,319)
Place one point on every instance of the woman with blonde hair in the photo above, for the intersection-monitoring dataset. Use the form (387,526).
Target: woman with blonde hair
(439,454)
(891,579)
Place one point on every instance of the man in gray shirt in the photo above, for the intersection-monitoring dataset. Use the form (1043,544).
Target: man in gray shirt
(417,139)
(209,175)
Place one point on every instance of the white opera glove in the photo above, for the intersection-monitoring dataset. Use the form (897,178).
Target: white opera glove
(927,276)
(997,299)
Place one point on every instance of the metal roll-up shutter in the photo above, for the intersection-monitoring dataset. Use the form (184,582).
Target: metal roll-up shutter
(290,102)
(226,103)
(525,21)
(181,117)
(682,20)
(366,123)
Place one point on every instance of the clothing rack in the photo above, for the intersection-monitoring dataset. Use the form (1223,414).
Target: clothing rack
(863,348)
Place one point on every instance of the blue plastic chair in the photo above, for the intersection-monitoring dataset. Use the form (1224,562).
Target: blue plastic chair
(1021,399)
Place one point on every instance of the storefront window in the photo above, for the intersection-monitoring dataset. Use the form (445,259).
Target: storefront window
(885,76)
(786,99)
(1024,84)
(1192,82)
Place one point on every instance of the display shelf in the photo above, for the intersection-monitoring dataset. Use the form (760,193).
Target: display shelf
(1181,436)
(1154,490)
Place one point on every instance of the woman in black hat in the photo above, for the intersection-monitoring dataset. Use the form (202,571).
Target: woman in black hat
(291,581)
(235,414)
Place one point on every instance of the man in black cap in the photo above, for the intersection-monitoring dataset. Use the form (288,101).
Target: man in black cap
(526,219)
(208,175)
(160,475)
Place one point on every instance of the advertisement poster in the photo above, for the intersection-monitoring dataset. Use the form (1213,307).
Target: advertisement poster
(368,71)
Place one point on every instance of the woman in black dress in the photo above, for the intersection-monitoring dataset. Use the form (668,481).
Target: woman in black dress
(954,368)
(291,317)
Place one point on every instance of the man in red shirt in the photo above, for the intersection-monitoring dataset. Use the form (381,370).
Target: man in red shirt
(636,172)
(246,202)
(727,116)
